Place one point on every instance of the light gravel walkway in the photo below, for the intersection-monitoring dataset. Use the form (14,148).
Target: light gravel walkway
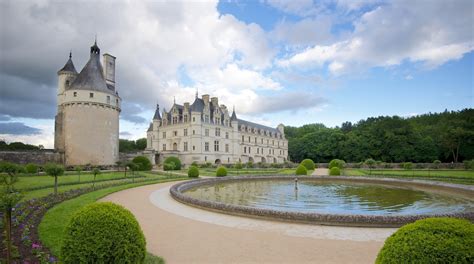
(320,172)
(183,234)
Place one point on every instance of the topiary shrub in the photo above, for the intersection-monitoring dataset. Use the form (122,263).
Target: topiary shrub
(31,168)
(221,171)
(143,163)
(337,163)
(308,164)
(103,233)
(334,171)
(193,172)
(238,165)
(175,160)
(431,240)
(301,170)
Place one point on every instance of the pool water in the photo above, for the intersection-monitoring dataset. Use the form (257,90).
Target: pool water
(336,197)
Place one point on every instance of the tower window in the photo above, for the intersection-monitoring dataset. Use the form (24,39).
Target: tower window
(67,83)
(91,95)
(75,94)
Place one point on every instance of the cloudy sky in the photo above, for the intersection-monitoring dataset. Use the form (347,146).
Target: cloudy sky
(291,62)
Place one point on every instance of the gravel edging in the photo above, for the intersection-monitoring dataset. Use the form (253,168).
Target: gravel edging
(177,192)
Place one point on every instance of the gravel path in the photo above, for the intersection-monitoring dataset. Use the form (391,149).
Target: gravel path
(183,234)
(321,172)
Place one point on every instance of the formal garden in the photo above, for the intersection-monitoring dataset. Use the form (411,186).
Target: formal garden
(45,208)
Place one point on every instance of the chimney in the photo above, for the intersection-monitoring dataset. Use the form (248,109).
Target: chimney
(205,98)
(109,69)
(215,102)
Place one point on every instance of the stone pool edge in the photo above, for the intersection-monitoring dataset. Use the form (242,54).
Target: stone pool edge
(176,191)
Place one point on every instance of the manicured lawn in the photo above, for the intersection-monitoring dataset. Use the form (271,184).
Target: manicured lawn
(454,176)
(43,181)
(56,219)
(30,194)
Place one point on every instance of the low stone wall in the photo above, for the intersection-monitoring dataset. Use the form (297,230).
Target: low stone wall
(177,192)
(441,166)
(37,156)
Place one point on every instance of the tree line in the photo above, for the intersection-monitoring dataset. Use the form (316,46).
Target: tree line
(132,145)
(446,136)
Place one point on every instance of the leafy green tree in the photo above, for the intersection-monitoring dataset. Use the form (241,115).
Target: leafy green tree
(78,169)
(141,143)
(371,164)
(54,170)
(31,168)
(95,171)
(9,197)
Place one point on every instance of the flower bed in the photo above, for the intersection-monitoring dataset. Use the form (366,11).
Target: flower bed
(26,217)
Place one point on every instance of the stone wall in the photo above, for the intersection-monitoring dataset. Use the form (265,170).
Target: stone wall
(37,156)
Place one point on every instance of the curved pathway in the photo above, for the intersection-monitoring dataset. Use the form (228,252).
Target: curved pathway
(183,234)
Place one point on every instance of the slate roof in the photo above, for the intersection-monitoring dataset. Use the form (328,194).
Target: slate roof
(251,124)
(234,116)
(198,105)
(91,76)
(157,115)
(150,128)
(69,66)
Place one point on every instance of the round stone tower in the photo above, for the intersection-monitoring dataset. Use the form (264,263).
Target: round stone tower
(87,121)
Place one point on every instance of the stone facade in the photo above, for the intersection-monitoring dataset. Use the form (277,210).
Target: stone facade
(205,131)
(87,120)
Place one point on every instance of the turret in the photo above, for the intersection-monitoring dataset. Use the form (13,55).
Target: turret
(66,75)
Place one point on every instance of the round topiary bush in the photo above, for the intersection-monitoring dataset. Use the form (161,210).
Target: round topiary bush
(103,233)
(143,163)
(193,172)
(431,240)
(308,164)
(175,160)
(31,168)
(334,171)
(221,171)
(301,170)
(337,163)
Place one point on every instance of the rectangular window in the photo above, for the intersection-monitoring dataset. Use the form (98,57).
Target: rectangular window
(185,119)
(75,94)
(255,140)
(242,138)
(175,120)
(226,147)
(194,132)
(108,99)
(245,149)
(185,146)
(206,146)
(194,119)
(249,139)
(206,118)
(175,133)
(164,134)
(164,147)
(258,151)
(262,140)
(250,150)
(216,145)
(185,133)
(206,132)
(194,147)
(218,132)
(227,135)
(273,142)
(91,95)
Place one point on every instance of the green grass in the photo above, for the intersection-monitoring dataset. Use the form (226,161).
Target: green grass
(55,220)
(454,176)
(44,181)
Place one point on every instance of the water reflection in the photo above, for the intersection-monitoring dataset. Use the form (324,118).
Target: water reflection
(335,197)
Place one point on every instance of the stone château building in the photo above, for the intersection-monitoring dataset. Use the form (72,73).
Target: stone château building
(205,131)
(87,120)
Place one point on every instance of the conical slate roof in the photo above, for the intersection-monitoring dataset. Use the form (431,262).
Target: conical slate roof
(69,66)
(91,77)
(157,115)
(234,116)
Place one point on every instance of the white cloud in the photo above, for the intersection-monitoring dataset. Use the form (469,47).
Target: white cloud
(429,32)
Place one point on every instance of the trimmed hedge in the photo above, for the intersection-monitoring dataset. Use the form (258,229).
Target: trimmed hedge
(103,233)
(175,160)
(308,164)
(193,172)
(337,163)
(31,168)
(301,170)
(431,240)
(221,171)
(334,171)
(143,163)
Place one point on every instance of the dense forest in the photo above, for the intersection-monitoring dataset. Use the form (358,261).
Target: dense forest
(132,146)
(446,136)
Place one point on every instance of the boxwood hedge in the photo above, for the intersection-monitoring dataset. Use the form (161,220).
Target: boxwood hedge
(301,170)
(221,171)
(175,160)
(431,240)
(308,164)
(103,233)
